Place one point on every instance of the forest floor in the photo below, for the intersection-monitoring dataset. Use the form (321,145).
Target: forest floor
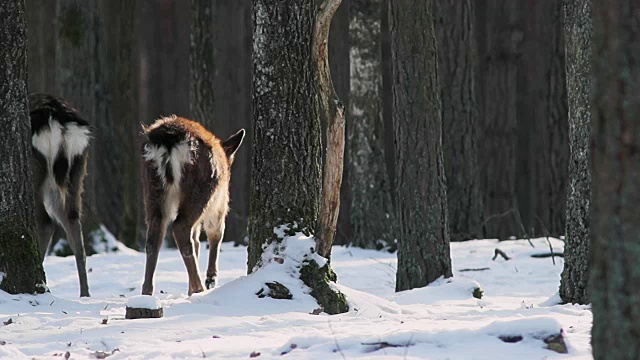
(441,321)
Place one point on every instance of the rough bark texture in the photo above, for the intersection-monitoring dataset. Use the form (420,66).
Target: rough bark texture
(20,267)
(41,43)
(202,104)
(499,38)
(371,211)
(285,186)
(117,123)
(232,92)
(574,283)
(334,111)
(457,73)
(387,101)
(423,244)
(542,149)
(616,180)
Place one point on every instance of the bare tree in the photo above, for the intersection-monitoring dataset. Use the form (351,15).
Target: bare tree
(286,175)
(457,72)
(41,44)
(574,284)
(202,71)
(423,239)
(20,266)
(615,239)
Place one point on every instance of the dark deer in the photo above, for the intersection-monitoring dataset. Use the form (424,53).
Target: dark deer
(60,140)
(185,176)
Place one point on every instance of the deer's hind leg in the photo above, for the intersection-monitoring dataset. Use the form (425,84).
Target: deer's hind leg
(214,227)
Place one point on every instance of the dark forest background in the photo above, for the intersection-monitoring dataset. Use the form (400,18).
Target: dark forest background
(506,161)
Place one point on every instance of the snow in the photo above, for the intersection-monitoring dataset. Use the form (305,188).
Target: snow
(440,321)
(144,302)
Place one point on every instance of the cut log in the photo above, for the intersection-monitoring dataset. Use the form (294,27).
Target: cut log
(141,313)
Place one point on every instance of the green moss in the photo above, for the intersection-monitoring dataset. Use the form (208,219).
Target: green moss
(72,26)
(19,260)
(318,279)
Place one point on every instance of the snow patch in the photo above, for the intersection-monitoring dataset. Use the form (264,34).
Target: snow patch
(144,302)
(441,291)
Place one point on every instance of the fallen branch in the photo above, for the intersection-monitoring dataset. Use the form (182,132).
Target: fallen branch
(546,255)
(476,269)
(551,250)
(501,253)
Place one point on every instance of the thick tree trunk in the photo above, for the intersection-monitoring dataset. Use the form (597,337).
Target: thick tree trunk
(20,267)
(117,123)
(423,244)
(499,43)
(42,39)
(542,121)
(286,174)
(370,206)
(616,180)
(232,93)
(201,99)
(285,186)
(457,73)
(574,284)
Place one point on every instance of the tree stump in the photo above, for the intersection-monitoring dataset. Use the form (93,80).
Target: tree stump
(144,307)
(141,313)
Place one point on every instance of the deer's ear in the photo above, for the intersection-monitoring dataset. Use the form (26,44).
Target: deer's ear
(232,144)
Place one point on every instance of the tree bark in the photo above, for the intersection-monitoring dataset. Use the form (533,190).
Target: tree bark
(41,44)
(334,112)
(202,104)
(499,43)
(20,267)
(117,123)
(423,244)
(616,180)
(370,204)
(457,72)
(542,121)
(286,174)
(574,283)
(285,187)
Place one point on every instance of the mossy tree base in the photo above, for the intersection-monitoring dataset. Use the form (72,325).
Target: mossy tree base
(318,279)
(20,265)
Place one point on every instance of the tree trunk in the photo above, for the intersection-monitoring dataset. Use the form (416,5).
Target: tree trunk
(542,121)
(457,73)
(41,43)
(202,104)
(285,187)
(232,93)
(339,58)
(499,43)
(616,180)
(574,284)
(334,112)
(78,75)
(117,123)
(20,267)
(370,203)
(286,174)
(423,244)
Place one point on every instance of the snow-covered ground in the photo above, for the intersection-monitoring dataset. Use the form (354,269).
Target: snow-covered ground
(442,321)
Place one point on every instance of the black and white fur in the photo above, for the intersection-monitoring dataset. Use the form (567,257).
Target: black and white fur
(60,141)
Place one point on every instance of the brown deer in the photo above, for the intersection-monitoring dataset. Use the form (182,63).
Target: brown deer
(60,141)
(185,176)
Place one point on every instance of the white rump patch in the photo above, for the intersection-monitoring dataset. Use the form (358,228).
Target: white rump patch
(177,157)
(49,141)
(76,139)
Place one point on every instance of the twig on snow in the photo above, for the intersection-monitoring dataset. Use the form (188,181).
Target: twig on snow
(501,253)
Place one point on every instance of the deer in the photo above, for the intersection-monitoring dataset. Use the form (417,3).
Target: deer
(60,142)
(185,181)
